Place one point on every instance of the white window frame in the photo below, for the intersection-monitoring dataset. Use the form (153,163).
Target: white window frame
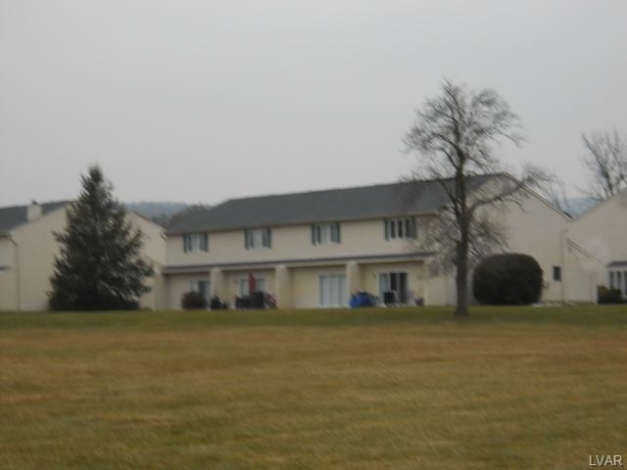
(401,228)
(195,242)
(258,238)
(325,234)
(618,280)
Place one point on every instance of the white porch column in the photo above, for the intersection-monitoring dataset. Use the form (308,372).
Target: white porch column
(283,288)
(354,278)
(217,284)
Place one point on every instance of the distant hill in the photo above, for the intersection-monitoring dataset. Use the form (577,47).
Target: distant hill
(579,205)
(156,209)
(164,213)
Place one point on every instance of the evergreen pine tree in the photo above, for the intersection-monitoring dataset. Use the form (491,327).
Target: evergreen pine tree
(99,266)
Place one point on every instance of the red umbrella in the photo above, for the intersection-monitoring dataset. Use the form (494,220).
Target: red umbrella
(251,283)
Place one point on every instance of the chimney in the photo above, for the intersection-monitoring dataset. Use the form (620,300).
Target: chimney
(33,212)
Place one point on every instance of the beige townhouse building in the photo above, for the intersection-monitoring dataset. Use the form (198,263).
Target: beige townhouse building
(28,249)
(314,249)
(601,233)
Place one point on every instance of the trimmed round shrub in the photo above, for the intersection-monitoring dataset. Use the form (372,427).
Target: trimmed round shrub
(508,279)
(193,300)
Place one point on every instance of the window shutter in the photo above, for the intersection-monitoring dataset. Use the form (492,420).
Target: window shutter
(338,233)
(247,238)
(414,230)
(313,234)
(269,231)
(386,229)
(206,242)
(185,243)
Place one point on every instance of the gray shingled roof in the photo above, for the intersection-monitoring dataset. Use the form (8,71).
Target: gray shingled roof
(384,200)
(12,217)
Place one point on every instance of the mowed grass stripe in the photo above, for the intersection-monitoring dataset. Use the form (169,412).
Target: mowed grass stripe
(386,388)
(592,315)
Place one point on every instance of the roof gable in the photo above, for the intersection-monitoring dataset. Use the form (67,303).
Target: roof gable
(620,199)
(14,216)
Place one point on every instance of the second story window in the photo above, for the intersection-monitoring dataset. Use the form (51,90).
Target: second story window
(322,234)
(400,228)
(257,238)
(195,242)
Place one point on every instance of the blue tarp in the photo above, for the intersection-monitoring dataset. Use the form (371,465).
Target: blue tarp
(362,299)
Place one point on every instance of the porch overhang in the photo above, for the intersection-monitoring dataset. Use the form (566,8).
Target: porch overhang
(297,262)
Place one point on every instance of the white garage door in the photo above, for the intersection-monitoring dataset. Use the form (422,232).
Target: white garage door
(333,290)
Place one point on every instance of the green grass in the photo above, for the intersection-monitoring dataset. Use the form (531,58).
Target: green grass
(382,388)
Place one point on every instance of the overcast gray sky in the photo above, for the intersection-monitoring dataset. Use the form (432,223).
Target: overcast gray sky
(201,101)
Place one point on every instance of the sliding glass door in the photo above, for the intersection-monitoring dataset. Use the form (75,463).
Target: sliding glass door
(394,282)
(333,290)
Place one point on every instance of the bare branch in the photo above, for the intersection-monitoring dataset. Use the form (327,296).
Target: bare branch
(509,189)
(606,161)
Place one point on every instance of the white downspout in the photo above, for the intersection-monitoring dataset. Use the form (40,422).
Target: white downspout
(16,252)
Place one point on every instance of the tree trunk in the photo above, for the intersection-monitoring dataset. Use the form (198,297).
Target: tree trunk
(461,278)
(461,281)
(463,216)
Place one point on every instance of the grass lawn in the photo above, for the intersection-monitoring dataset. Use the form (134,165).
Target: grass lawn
(527,388)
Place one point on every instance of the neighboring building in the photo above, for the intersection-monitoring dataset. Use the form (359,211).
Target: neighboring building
(601,233)
(314,249)
(28,249)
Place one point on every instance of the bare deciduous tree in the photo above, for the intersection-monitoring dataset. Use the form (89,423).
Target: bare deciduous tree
(606,161)
(454,135)
(554,190)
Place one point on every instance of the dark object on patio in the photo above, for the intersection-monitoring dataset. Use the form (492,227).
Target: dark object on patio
(420,301)
(217,304)
(257,299)
(242,302)
(389,298)
(193,300)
